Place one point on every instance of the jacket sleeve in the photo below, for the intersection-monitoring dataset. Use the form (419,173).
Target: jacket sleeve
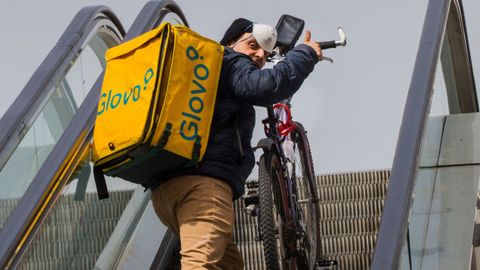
(264,87)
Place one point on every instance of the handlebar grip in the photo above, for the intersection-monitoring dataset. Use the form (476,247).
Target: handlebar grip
(327,44)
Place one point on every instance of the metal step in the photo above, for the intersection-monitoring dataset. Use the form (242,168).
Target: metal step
(353,178)
(75,233)
(339,226)
(351,209)
(344,244)
(6,207)
(351,192)
(77,262)
(65,213)
(252,252)
(73,230)
(67,248)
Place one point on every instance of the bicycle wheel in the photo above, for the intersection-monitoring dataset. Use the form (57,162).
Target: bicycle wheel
(271,216)
(308,211)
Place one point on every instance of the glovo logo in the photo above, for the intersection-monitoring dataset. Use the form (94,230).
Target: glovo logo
(109,101)
(192,119)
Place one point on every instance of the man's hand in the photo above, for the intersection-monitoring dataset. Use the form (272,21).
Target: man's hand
(313,44)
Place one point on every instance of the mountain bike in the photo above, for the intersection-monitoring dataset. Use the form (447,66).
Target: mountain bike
(285,199)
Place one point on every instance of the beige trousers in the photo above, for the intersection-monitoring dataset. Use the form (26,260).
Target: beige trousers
(199,210)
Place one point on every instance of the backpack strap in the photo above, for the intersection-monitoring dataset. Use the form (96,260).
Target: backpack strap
(195,152)
(100,183)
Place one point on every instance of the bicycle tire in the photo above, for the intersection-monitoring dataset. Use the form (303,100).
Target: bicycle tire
(307,200)
(271,217)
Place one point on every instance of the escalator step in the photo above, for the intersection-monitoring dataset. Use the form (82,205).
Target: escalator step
(68,212)
(68,248)
(348,244)
(349,192)
(74,230)
(351,209)
(353,178)
(75,233)
(252,254)
(336,226)
(77,262)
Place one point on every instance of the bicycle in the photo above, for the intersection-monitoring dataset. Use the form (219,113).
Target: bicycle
(284,198)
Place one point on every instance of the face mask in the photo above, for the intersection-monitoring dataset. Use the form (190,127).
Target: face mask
(265,35)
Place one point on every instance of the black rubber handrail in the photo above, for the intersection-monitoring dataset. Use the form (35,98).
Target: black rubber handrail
(66,154)
(20,115)
(394,223)
(23,111)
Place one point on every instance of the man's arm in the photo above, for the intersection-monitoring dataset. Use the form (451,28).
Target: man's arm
(268,86)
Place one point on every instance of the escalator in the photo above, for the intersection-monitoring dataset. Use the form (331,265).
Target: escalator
(51,123)
(51,218)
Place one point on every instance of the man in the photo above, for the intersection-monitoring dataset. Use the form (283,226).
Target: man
(197,203)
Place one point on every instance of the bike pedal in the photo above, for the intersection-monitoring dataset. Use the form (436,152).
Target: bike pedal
(251,210)
(325,264)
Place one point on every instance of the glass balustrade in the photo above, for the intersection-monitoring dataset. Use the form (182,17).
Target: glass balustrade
(442,216)
(54,116)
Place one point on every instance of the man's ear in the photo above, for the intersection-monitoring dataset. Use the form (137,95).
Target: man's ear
(230,44)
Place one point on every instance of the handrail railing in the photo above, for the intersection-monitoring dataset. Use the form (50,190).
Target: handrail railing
(22,113)
(19,117)
(71,149)
(394,224)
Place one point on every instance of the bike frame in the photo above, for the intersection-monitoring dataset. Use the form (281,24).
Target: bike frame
(278,132)
(278,128)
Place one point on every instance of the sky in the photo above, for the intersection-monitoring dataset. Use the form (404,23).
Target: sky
(352,108)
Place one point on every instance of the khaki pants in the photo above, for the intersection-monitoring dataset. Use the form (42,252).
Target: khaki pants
(200,210)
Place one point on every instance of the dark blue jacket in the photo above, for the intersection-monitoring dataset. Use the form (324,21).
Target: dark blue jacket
(242,85)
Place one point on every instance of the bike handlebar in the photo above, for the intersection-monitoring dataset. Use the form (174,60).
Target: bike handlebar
(334,43)
(279,52)
(327,44)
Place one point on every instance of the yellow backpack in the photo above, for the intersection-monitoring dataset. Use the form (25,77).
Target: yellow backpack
(156,105)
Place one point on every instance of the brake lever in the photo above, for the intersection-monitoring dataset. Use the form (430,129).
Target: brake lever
(327,59)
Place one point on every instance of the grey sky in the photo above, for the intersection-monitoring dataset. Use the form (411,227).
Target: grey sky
(351,108)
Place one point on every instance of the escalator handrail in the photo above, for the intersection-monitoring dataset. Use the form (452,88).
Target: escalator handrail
(66,154)
(398,202)
(23,110)
(20,115)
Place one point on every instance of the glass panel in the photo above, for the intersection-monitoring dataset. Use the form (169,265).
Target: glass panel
(448,243)
(83,74)
(33,150)
(49,125)
(439,100)
(444,196)
(425,179)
